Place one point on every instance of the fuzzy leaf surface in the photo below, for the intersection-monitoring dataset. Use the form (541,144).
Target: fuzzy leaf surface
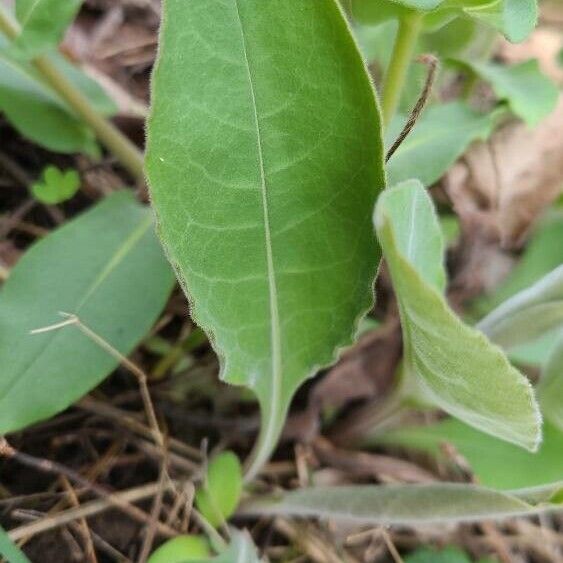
(455,366)
(404,504)
(264,165)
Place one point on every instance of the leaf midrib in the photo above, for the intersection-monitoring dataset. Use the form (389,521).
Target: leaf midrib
(272,287)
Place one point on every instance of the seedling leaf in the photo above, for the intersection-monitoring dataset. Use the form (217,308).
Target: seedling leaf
(219,496)
(9,550)
(105,266)
(180,549)
(262,176)
(56,185)
(455,365)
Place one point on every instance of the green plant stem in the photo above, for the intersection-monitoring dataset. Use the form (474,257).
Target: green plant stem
(403,52)
(118,144)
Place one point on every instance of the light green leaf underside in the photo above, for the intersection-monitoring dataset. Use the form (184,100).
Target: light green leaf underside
(43,24)
(529,314)
(512,83)
(550,387)
(495,463)
(401,504)
(455,365)
(107,267)
(439,138)
(263,167)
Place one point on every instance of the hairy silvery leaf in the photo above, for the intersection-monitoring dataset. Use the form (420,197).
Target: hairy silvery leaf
(264,160)
(440,136)
(406,504)
(455,366)
(550,387)
(105,266)
(43,24)
(528,314)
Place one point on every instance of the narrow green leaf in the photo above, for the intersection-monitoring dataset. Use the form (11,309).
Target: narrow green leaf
(430,555)
(263,167)
(495,463)
(43,24)
(513,84)
(9,550)
(528,314)
(399,504)
(455,365)
(440,137)
(550,387)
(219,496)
(56,186)
(107,267)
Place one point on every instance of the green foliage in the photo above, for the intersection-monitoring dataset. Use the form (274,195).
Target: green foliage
(180,549)
(9,550)
(219,496)
(407,505)
(43,23)
(495,463)
(529,93)
(455,366)
(528,314)
(106,266)
(41,115)
(550,388)
(438,139)
(56,185)
(514,18)
(264,193)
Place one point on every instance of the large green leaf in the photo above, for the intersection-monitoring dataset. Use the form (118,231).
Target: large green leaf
(9,550)
(439,138)
(529,314)
(513,84)
(495,463)
(405,504)
(264,165)
(40,114)
(43,23)
(550,388)
(107,267)
(455,365)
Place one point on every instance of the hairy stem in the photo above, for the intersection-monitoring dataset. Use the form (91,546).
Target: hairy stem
(403,51)
(118,144)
